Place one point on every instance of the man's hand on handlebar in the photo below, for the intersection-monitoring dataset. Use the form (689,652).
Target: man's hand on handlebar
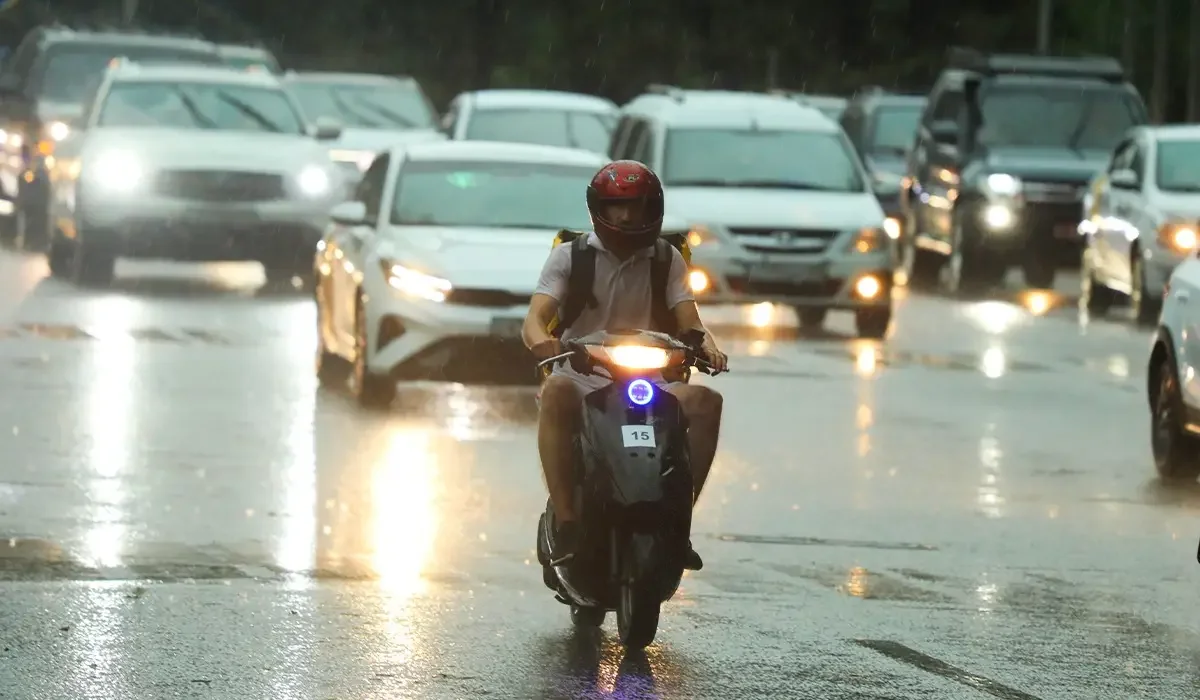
(716,359)
(551,347)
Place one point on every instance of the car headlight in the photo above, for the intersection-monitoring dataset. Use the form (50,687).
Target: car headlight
(415,283)
(868,240)
(58,131)
(116,171)
(1179,236)
(314,181)
(1002,184)
(701,235)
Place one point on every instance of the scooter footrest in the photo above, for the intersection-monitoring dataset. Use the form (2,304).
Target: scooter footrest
(561,599)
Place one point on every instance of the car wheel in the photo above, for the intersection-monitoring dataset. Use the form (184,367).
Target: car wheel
(969,272)
(921,267)
(93,264)
(1176,452)
(873,324)
(372,390)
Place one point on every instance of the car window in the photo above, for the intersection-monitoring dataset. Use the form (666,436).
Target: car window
(572,129)
(207,106)
(1087,119)
(816,160)
(492,194)
(370,188)
(894,129)
(1178,168)
(73,71)
(379,106)
(949,105)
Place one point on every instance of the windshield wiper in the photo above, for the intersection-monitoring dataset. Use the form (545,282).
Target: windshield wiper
(249,111)
(349,111)
(194,110)
(397,119)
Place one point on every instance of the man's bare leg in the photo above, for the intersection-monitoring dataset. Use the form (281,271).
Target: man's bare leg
(703,407)
(558,416)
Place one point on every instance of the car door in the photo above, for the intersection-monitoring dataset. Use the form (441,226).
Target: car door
(1110,230)
(1128,221)
(351,247)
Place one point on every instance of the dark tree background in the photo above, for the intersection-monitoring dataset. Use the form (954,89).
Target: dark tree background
(616,47)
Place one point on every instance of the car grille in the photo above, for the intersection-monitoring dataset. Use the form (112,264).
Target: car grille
(219,186)
(785,240)
(815,288)
(1053,192)
(493,298)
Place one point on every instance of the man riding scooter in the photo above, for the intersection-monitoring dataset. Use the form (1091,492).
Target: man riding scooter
(625,199)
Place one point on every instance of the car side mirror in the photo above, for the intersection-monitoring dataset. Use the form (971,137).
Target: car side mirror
(1124,179)
(325,129)
(349,214)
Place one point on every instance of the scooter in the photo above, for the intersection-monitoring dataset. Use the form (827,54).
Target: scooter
(633,484)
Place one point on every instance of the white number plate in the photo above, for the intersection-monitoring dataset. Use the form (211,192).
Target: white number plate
(507,327)
(638,435)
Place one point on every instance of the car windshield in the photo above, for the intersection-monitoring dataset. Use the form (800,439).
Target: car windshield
(589,131)
(1079,119)
(491,194)
(1178,166)
(377,106)
(212,106)
(72,73)
(802,160)
(894,130)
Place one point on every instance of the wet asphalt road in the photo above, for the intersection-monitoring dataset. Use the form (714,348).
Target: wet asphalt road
(967,510)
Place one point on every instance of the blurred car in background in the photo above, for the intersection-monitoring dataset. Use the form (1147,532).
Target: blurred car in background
(249,58)
(1171,386)
(996,178)
(190,163)
(543,117)
(779,204)
(431,267)
(883,126)
(45,86)
(831,106)
(1143,219)
(376,112)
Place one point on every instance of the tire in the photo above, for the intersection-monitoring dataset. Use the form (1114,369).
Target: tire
(970,270)
(921,267)
(590,617)
(637,615)
(1176,453)
(1145,306)
(811,319)
(873,324)
(60,257)
(372,390)
(92,264)
(1094,297)
(1039,267)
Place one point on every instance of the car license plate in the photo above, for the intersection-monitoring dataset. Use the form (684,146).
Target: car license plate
(786,272)
(507,327)
(1066,231)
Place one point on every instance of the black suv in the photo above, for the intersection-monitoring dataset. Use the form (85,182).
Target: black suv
(1004,152)
(882,126)
(45,87)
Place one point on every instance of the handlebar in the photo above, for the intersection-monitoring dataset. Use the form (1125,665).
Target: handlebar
(573,349)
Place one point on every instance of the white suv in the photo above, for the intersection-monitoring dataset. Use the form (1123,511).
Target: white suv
(779,204)
(1172,385)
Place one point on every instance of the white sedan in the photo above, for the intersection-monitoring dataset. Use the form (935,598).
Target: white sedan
(434,262)
(190,163)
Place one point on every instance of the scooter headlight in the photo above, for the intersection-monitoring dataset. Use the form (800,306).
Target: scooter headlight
(632,356)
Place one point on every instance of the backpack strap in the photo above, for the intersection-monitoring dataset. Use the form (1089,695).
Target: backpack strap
(580,294)
(660,272)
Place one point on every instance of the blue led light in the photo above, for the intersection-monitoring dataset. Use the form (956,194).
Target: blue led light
(640,392)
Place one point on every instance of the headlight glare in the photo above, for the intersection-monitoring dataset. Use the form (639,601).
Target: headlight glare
(1002,184)
(415,283)
(314,181)
(116,171)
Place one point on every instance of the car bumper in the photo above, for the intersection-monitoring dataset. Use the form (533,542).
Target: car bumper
(212,231)
(820,282)
(417,338)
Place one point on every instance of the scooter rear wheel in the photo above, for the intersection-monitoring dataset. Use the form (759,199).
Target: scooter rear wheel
(584,616)
(637,616)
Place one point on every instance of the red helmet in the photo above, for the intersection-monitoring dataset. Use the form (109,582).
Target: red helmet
(625,199)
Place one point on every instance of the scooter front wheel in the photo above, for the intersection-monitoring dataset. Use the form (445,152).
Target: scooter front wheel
(637,615)
(584,616)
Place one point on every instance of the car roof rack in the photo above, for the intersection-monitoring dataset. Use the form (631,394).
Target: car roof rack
(1101,67)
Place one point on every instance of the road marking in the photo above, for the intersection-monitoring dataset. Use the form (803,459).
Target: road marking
(907,655)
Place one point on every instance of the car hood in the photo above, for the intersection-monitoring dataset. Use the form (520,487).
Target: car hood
(172,148)
(1182,205)
(753,208)
(1061,164)
(376,140)
(59,111)
(509,259)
